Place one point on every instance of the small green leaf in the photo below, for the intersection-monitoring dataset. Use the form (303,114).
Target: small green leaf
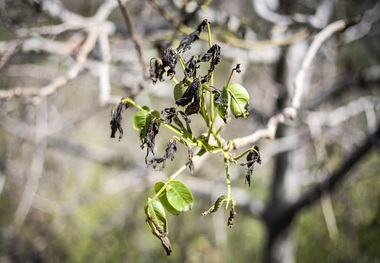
(239,100)
(179,196)
(222,104)
(164,199)
(178,91)
(141,119)
(215,207)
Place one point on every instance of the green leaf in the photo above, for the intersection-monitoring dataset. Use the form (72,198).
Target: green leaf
(178,91)
(179,196)
(239,100)
(157,223)
(222,104)
(164,199)
(202,140)
(156,217)
(215,207)
(141,119)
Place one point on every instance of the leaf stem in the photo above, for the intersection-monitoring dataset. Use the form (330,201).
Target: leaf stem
(173,176)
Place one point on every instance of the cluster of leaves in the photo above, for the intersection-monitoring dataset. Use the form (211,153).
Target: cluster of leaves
(190,96)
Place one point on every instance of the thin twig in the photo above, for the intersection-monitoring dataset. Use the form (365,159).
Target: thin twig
(291,112)
(129,22)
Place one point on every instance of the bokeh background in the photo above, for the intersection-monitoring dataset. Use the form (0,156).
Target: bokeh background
(70,193)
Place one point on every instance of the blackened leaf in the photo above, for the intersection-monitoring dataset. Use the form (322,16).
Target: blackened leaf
(186,42)
(156,70)
(169,61)
(237,68)
(239,100)
(191,67)
(191,93)
(253,156)
(215,207)
(214,54)
(169,114)
(191,163)
(169,154)
(116,117)
(150,138)
(231,218)
(193,108)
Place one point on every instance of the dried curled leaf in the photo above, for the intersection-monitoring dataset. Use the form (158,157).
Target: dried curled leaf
(166,64)
(231,218)
(116,117)
(150,138)
(186,42)
(191,96)
(191,67)
(252,157)
(214,54)
(190,152)
(171,149)
(215,207)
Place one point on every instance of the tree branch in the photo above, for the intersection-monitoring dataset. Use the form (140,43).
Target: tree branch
(291,111)
(333,179)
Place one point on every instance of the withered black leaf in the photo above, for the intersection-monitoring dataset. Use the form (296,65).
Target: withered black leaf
(191,67)
(169,59)
(191,95)
(212,54)
(116,117)
(191,163)
(186,42)
(169,114)
(237,68)
(252,157)
(231,218)
(150,138)
(166,64)
(171,149)
(193,108)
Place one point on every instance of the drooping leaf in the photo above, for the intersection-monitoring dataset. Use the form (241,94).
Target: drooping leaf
(214,54)
(116,117)
(191,96)
(178,91)
(150,137)
(191,67)
(253,157)
(142,120)
(231,218)
(179,196)
(239,100)
(171,149)
(215,207)
(186,42)
(157,223)
(164,199)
